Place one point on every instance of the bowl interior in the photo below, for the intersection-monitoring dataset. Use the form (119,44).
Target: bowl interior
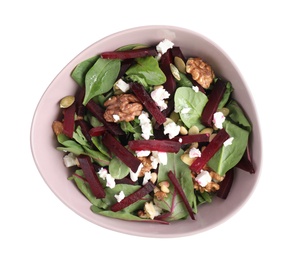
(50,164)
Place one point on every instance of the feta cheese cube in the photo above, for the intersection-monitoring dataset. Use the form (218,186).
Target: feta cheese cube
(203,178)
(164,45)
(218,119)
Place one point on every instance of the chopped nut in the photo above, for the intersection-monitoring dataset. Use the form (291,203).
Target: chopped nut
(124,107)
(160,195)
(201,71)
(57,127)
(147,166)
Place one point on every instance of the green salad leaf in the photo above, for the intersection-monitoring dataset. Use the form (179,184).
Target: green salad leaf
(118,169)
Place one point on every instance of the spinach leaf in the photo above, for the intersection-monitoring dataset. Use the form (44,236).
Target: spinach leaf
(226,95)
(237,115)
(69,145)
(79,72)
(97,156)
(118,169)
(173,203)
(97,141)
(184,81)
(228,156)
(190,105)
(100,78)
(79,137)
(147,70)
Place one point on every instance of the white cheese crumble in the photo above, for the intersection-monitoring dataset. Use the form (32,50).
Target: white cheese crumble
(180,140)
(122,85)
(158,157)
(194,153)
(143,153)
(146,125)
(203,178)
(228,141)
(116,118)
(218,119)
(152,210)
(164,45)
(70,160)
(159,95)
(147,177)
(195,88)
(120,196)
(134,175)
(102,173)
(110,181)
(172,129)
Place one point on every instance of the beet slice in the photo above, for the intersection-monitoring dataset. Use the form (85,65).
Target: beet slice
(97,131)
(91,176)
(209,151)
(177,52)
(125,64)
(245,162)
(69,120)
(148,102)
(121,152)
(213,102)
(79,97)
(129,54)
(155,145)
(98,112)
(134,197)
(187,139)
(181,193)
(164,64)
(226,184)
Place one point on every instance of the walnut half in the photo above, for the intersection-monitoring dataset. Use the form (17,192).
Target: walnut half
(201,71)
(124,107)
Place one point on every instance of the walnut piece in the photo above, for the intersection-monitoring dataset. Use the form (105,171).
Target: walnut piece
(147,166)
(57,127)
(124,107)
(201,71)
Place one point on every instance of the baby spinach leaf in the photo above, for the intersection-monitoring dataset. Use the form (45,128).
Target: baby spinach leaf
(97,141)
(79,72)
(69,145)
(190,105)
(184,81)
(237,115)
(173,203)
(147,70)
(226,95)
(100,78)
(79,137)
(97,156)
(118,169)
(228,156)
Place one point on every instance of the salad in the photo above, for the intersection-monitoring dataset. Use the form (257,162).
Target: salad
(151,134)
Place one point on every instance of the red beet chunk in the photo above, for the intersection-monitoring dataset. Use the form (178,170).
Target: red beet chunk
(188,139)
(225,185)
(97,131)
(69,120)
(134,197)
(129,54)
(155,145)
(181,193)
(246,162)
(121,152)
(210,150)
(176,52)
(98,112)
(91,177)
(213,102)
(148,102)
(164,64)
(79,97)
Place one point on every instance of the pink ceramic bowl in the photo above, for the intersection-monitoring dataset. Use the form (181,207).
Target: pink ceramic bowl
(50,163)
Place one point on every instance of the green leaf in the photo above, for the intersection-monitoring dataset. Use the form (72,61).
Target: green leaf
(148,70)
(186,98)
(226,95)
(97,141)
(173,203)
(228,156)
(97,156)
(100,78)
(79,72)
(69,145)
(118,169)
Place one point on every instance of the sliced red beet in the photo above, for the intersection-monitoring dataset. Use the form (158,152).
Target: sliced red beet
(177,52)
(209,151)
(134,197)
(97,131)
(181,193)
(246,162)
(148,102)
(91,177)
(69,120)
(129,54)
(155,145)
(213,102)
(98,112)
(125,64)
(121,152)
(226,184)
(79,97)
(164,64)
(187,139)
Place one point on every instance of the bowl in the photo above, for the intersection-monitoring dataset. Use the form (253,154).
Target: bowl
(50,163)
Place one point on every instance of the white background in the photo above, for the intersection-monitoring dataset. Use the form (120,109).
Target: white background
(38,38)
